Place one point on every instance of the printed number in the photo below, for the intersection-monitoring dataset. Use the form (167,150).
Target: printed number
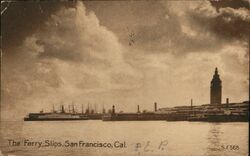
(230,147)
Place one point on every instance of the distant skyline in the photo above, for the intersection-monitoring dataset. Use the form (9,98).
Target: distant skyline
(122,53)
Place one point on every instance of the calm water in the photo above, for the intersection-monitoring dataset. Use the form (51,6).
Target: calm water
(141,138)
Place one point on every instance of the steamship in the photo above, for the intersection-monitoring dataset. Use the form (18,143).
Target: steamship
(55,116)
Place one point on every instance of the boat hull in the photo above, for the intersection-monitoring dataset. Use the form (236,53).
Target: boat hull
(53,119)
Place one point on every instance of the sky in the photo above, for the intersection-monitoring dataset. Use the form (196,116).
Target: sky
(122,53)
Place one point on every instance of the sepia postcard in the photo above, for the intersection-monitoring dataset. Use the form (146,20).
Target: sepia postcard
(124,78)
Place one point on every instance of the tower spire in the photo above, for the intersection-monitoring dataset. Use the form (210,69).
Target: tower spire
(215,88)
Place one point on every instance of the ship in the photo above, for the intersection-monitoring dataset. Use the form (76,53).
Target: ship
(56,116)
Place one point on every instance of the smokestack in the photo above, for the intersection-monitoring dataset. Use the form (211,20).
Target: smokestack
(63,109)
(155,106)
(138,109)
(88,110)
(227,102)
(191,103)
(113,109)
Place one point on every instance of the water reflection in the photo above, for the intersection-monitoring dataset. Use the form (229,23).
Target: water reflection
(214,140)
(184,138)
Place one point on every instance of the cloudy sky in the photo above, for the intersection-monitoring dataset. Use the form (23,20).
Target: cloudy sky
(82,52)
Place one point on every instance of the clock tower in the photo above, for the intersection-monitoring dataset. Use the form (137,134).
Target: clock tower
(215,89)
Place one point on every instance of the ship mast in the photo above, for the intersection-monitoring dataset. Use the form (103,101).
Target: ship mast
(95,108)
(53,109)
(82,109)
(73,108)
(69,108)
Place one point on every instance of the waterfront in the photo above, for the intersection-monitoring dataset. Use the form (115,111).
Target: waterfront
(141,138)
